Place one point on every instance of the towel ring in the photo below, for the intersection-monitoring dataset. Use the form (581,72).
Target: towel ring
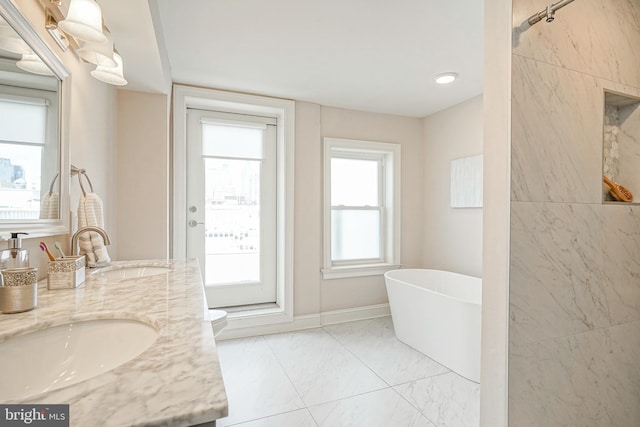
(53,181)
(81,174)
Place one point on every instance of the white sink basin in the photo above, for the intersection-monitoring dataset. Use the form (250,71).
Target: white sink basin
(129,272)
(58,356)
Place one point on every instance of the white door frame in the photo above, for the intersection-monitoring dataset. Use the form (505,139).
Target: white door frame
(284,111)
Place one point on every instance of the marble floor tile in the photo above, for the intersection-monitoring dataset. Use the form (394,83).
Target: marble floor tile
(320,368)
(256,384)
(448,400)
(299,418)
(381,408)
(312,378)
(373,341)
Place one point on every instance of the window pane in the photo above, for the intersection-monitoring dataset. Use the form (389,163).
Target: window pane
(232,223)
(20,167)
(355,234)
(232,141)
(354,182)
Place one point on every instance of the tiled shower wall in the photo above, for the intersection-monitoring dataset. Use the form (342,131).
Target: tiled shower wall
(574,289)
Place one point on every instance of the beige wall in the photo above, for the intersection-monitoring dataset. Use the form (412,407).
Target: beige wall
(497,180)
(120,138)
(312,294)
(452,238)
(313,123)
(340,294)
(92,135)
(142,178)
(92,143)
(307,209)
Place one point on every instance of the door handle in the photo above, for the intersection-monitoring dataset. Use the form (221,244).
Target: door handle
(192,223)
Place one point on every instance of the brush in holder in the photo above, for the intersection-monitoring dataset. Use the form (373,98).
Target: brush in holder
(66,273)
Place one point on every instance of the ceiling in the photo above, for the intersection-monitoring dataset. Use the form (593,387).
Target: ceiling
(370,55)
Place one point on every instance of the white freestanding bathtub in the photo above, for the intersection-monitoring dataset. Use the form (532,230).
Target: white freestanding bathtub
(438,313)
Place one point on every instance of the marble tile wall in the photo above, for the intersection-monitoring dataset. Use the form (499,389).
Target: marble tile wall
(557,149)
(594,37)
(625,143)
(574,287)
(588,379)
(611,145)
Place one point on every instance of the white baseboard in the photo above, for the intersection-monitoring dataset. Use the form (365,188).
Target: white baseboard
(306,321)
(351,314)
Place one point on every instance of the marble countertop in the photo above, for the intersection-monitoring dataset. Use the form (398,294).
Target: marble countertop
(177,381)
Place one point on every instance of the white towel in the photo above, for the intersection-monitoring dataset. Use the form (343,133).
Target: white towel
(91,243)
(50,203)
(49,206)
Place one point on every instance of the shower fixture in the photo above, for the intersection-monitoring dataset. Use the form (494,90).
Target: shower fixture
(549,13)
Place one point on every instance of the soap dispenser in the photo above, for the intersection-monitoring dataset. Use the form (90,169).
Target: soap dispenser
(14,256)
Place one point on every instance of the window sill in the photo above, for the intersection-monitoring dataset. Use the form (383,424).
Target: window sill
(357,271)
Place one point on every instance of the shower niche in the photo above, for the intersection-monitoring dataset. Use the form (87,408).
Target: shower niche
(621,145)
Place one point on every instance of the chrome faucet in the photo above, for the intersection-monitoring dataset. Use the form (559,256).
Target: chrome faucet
(74,238)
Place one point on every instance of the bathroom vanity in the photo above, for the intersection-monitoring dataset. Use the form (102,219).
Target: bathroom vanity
(133,345)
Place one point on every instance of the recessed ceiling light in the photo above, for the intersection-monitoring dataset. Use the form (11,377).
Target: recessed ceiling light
(445,78)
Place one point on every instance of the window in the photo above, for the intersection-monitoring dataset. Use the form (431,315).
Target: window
(361,207)
(23,137)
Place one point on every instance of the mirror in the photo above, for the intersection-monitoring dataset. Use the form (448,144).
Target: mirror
(33,168)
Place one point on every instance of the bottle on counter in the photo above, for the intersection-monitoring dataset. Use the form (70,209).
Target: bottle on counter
(14,256)
(18,282)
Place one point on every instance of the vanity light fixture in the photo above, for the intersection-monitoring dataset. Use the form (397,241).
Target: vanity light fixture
(84,21)
(98,53)
(10,41)
(83,30)
(445,78)
(32,63)
(111,75)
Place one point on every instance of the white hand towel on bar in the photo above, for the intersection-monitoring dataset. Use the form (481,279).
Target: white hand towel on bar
(49,206)
(90,213)
(91,243)
(50,203)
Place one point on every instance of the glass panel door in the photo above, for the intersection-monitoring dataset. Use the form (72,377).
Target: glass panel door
(232,208)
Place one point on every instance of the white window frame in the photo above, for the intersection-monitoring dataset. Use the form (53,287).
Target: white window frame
(390,191)
(284,112)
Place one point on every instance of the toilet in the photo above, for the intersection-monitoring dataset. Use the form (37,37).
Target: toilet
(218,321)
